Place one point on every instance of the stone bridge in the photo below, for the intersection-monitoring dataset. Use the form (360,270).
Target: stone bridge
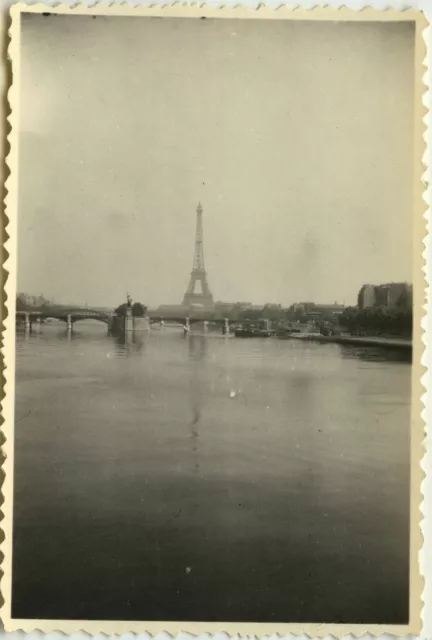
(71,315)
(66,315)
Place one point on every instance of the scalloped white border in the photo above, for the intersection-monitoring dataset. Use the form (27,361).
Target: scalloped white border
(419,166)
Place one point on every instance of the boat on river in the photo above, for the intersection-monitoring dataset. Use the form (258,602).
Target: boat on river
(253,333)
(311,335)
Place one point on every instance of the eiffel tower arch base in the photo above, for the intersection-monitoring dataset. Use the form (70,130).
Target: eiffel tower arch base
(198,300)
(204,299)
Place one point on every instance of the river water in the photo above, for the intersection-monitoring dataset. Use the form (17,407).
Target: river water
(208,478)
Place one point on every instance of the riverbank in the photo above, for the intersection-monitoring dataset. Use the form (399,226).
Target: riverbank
(365,341)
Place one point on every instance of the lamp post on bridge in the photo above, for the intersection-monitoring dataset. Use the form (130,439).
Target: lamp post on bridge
(128,316)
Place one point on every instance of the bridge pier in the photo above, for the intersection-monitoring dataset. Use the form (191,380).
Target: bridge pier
(225,329)
(267,325)
(27,322)
(69,323)
(206,326)
(186,327)
(110,324)
(128,320)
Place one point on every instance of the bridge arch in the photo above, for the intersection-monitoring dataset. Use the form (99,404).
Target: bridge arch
(50,317)
(82,317)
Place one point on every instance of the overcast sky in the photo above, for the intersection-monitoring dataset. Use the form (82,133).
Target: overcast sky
(296,137)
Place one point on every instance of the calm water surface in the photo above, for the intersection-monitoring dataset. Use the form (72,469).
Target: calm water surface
(209,478)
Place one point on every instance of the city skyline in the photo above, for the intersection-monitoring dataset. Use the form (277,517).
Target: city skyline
(244,302)
(276,202)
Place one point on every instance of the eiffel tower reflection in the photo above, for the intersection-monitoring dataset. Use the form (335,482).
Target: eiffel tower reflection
(197,346)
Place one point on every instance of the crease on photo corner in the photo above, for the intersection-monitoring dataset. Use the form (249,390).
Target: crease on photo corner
(7,319)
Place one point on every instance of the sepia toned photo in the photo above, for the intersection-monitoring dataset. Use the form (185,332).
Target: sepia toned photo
(213,343)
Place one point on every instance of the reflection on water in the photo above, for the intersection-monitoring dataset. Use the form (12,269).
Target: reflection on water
(130,342)
(377,354)
(201,477)
(197,347)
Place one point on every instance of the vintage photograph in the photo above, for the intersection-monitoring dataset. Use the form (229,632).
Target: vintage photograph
(214,315)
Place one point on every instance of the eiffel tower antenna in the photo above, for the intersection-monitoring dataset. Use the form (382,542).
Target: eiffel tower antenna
(198,274)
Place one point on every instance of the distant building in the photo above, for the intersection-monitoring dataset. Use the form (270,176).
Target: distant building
(382,295)
(272,305)
(366,296)
(393,295)
(232,308)
(311,311)
(399,295)
(329,309)
(408,302)
(301,307)
(170,310)
(222,308)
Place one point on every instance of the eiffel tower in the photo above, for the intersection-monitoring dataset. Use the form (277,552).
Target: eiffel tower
(198,275)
